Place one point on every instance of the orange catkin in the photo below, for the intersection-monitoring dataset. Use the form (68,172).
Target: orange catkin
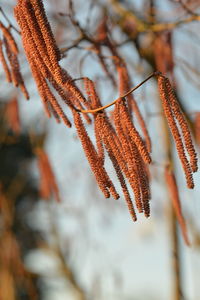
(164,95)
(100,173)
(16,75)
(128,154)
(9,37)
(183,125)
(124,86)
(134,134)
(4,63)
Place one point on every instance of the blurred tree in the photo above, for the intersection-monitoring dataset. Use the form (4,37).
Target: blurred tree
(18,196)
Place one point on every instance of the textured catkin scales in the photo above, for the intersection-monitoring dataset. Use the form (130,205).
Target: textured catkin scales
(4,63)
(9,37)
(10,61)
(46,29)
(36,51)
(169,113)
(127,153)
(134,134)
(100,173)
(124,86)
(183,125)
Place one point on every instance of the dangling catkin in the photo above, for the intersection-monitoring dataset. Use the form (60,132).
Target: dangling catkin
(4,63)
(9,37)
(124,86)
(174,129)
(183,125)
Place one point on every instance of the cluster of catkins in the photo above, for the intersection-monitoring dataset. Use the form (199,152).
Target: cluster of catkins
(115,134)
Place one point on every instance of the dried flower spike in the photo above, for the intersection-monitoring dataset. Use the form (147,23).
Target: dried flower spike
(168,110)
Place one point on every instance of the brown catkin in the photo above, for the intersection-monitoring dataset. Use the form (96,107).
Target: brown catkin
(174,195)
(4,63)
(134,134)
(99,143)
(139,169)
(26,16)
(128,155)
(44,33)
(33,40)
(66,97)
(183,125)
(26,11)
(54,103)
(9,37)
(40,14)
(124,87)
(143,179)
(174,130)
(93,99)
(111,143)
(78,98)
(41,89)
(14,65)
(16,75)
(123,185)
(29,44)
(90,152)
(49,101)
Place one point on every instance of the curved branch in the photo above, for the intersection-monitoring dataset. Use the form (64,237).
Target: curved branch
(156,73)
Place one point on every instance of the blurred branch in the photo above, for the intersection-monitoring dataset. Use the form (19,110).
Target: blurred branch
(177,293)
(186,8)
(167,26)
(143,26)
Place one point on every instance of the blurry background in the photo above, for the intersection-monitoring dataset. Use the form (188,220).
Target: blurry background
(87,247)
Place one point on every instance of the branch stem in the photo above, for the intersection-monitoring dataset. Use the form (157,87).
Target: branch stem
(7,19)
(156,73)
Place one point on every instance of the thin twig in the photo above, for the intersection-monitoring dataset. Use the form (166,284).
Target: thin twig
(7,19)
(143,26)
(186,8)
(122,97)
